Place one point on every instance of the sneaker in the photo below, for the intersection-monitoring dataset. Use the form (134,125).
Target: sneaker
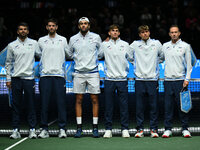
(125,134)
(32,134)
(167,134)
(139,134)
(107,134)
(15,134)
(154,134)
(95,133)
(62,134)
(43,134)
(79,133)
(186,134)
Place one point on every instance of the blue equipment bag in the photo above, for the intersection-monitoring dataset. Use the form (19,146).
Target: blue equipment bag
(185,100)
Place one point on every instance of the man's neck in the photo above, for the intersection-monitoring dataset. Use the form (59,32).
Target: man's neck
(52,35)
(174,41)
(83,33)
(22,38)
(115,39)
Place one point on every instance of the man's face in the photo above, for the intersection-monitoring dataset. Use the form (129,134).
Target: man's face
(114,34)
(22,32)
(51,27)
(174,33)
(144,35)
(84,26)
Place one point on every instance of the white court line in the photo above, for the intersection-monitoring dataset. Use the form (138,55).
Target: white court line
(25,138)
(16,143)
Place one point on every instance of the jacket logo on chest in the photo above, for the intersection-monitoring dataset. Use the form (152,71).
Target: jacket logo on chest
(17,47)
(121,48)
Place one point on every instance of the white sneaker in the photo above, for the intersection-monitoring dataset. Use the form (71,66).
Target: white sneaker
(43,134)
(125,134)
(154,134)
(32,134)
(108,134)
(186,134)
(167,134)
(62,134)
(139,134)
(15,134)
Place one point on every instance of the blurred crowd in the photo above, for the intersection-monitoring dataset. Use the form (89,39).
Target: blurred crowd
(128,14)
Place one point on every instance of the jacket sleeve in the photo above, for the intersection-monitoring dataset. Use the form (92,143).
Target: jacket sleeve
(130,53)
(160,53)
(188,63)
(9,63)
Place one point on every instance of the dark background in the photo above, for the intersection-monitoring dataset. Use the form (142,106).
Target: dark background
(129,14)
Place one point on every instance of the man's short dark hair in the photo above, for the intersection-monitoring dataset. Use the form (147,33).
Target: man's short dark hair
(114,26)
(174,25)
(143,28)
(22,24)
(52,20)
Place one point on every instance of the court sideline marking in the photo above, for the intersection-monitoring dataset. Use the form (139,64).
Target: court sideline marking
(16,143)
(25,138)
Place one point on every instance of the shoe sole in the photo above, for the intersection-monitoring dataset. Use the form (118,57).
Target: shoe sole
(43,137)
(34,137)
(165,136)
(126,136)
(62,137)
(187,136)
(137,136)
(15,138)
(154,136)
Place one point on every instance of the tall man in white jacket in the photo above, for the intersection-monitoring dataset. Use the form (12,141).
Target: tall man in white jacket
(53,48)
(147,53)
(178,68)
(20,77)
(116,69)
(83,49)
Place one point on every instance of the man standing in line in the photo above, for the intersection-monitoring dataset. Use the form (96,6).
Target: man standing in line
(178,68)
(53,48)
(146,63)
(116,69)
(20,77)
(83,49)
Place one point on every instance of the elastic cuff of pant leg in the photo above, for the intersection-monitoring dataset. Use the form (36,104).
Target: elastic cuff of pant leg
(124,129)
(139,128)
(31,128)
(168,129)
(154,129)
(108,128)
(62,128)
(185,128)
(79,126)
(45,129)
(95,126)
(16,129)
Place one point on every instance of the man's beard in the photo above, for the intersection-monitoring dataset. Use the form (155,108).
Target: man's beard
(84,31)
(22,36)
(52,32)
